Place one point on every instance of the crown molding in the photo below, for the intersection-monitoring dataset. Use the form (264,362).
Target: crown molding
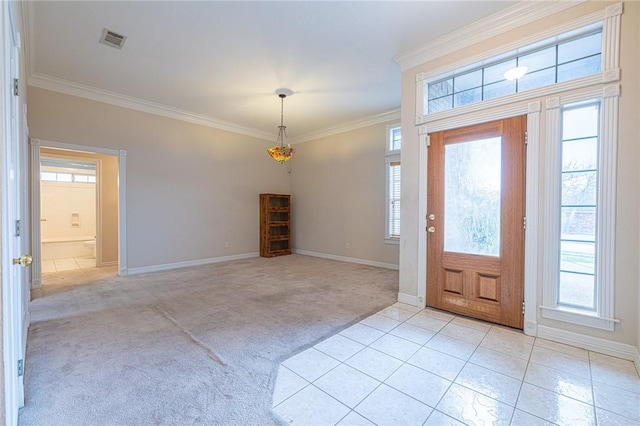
(393,115)
(508,19)
(80,90)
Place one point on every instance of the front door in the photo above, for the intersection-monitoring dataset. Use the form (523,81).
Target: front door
(475,221)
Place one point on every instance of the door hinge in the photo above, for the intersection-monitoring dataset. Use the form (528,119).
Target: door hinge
(16,87)
(18,228)
(523,308)
(524,222)
(526,138)
(20,368)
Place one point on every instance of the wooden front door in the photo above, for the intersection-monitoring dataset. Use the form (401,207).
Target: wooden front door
(475,215)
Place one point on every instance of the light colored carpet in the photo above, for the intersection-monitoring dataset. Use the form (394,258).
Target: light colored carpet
(191,346)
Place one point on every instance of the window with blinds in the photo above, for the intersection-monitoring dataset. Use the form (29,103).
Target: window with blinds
(392,163)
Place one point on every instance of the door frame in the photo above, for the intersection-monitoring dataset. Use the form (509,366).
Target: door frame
(35,145)
(97,198)
(532,110)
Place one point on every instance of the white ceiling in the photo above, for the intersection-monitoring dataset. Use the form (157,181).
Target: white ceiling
(223,60)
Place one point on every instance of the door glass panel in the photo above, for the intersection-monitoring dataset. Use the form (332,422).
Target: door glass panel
(472,194)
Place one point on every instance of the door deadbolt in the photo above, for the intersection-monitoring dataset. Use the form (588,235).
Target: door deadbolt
(431,216)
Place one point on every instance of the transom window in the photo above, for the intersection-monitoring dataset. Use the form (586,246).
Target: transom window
(543,64)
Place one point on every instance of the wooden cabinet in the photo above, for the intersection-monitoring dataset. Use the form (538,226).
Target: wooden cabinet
(275,221)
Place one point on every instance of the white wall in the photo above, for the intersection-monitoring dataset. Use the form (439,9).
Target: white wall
(190,188)
(59,201)
(627,218)
(338,196)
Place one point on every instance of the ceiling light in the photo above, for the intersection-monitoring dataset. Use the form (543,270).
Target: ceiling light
(281,152)
(515,73)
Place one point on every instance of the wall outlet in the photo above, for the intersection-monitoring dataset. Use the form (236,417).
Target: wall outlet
(227,244)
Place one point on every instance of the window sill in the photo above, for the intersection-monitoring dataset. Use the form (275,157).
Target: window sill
(389,240)
(578,318)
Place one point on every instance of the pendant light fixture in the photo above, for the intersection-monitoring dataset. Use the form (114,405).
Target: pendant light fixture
(282,151)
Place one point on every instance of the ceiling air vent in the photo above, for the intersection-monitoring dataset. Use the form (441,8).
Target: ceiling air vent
(112,39)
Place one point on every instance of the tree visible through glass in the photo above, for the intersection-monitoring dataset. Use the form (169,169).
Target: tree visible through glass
(472,195)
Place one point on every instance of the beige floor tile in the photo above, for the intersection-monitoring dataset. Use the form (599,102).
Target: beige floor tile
(489,383)
(560,361)
(473,408)
(362,334)
(576,387)
(565,349)
(407,307)
(421,385)
(506,345)
(617,401)
(450,346)
(396,347)
(387,406)
(554,407)
(502,363)
(354,419)
(374,363)
(380,322)
(623,378)
(426,322)
(520,418)
(287,384)
(347,385)
(461,332)
(440,419)
(411,332)
(310,364)
(311,406)
(86,263)
(66,265)
(397,314)
(437,363)
(339,347)
(48,266)
(607,418)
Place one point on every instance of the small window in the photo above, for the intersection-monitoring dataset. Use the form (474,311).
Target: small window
(578,208)
(392,164)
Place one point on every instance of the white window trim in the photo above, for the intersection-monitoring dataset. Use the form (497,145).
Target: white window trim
(610,17)
(603,318)
(510,106)
(391,156)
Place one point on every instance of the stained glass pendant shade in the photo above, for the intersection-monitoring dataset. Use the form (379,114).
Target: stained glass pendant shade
(282,151)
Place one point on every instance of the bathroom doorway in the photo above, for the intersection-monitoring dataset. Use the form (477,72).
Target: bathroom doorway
(68,212)
(76,205)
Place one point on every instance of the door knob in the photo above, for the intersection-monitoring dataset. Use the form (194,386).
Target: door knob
(431,229)
(24,260)
(431,216)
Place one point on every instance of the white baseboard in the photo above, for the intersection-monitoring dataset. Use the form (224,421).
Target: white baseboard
(411,300)
(637,360)
(188,263)
(347,259)
(596,344)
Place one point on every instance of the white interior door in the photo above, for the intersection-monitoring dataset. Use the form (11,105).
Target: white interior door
(14,259)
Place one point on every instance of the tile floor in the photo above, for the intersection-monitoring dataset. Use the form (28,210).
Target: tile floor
(409,366)
(59,265)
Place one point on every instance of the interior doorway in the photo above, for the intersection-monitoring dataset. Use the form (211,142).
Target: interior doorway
(69,203)
(77,200)
(475,221)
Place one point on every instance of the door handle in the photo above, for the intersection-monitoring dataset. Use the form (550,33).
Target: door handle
(431,229)
(24,260)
